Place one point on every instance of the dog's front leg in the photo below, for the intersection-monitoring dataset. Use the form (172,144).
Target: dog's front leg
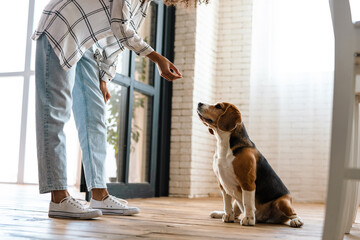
(238,206)
(249,202)
(229,214)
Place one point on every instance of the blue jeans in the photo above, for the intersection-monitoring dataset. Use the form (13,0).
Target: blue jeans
(57,91)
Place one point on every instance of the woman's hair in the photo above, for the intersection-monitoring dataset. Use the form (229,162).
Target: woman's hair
(187,3)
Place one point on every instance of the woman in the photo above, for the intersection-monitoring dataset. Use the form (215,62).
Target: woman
(78,43)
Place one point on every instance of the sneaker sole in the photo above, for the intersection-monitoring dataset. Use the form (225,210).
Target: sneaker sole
(125,212)
(69,215)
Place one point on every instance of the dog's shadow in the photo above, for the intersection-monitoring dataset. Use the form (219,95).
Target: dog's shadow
(217,215)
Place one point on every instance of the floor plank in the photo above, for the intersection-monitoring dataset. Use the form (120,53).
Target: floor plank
(24,216)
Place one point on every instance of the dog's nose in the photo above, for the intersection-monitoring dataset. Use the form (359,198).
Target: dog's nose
(200,104)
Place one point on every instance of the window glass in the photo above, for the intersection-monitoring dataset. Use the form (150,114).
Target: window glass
(39,6)
(140,143)
(31,166)
(122,66)
(72,145)
(13,30)
(115,123)
(10,124)
(144,67)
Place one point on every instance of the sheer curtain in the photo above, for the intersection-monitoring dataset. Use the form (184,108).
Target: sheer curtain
(291,91)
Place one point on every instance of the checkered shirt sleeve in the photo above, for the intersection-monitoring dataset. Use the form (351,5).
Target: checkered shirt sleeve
(124,28)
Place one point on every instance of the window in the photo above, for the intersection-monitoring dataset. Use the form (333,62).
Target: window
(355,11)
(17,124)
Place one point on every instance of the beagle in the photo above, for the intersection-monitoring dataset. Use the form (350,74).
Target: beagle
(243,172)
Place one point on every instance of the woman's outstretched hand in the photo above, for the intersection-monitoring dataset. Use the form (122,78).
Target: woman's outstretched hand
(104,90)
(166,68)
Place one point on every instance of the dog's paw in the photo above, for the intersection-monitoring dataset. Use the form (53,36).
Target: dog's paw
(296,222)
(217,214)
(248,221)
(228,218)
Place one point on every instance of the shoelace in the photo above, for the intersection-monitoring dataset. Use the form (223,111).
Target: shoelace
(75,202)
(119,201)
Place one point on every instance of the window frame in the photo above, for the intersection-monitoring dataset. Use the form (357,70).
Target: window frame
(26,74)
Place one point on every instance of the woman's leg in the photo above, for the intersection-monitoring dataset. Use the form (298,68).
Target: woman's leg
(53,109)
(89,113)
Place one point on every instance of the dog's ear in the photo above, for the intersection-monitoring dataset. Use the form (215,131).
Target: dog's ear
(211,131)
(229,119)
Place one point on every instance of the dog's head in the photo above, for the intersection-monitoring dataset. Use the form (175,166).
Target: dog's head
(221,116)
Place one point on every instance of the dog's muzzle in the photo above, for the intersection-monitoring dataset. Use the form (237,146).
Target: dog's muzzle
(199,110)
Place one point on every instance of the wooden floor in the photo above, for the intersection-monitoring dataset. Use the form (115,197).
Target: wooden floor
(23,215)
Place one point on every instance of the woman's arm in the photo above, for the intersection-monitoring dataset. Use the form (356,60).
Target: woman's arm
(107,66)
(122,29)
(104,90)
(166,68)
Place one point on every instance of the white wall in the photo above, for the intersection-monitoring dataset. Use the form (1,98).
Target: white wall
(206,50)
(209,52)
(182,102)
(213,51)
(233,69)
(195,54)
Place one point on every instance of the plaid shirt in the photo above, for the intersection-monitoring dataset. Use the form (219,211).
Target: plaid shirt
(73,26)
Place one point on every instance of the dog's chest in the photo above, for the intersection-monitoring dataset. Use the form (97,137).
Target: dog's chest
(223,166)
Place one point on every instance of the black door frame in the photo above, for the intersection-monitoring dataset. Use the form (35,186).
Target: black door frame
(161,92)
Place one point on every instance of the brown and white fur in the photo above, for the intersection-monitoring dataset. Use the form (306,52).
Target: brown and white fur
(244,175)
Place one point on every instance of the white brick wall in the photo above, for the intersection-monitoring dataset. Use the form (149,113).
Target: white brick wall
(208,51)
(202,176)
(213,51)
(233,70)
(181,122)
(195,54)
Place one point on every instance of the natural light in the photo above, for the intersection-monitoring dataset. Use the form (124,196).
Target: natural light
(12,63)
(355,10)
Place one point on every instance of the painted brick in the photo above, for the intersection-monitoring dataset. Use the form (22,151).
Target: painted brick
(214,55)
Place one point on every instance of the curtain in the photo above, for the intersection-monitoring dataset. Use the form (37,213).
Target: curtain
(291,91)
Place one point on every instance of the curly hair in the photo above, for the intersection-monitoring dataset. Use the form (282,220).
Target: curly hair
(187,3)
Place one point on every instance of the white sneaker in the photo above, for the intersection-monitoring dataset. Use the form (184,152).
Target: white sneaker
(114,206)
(72,208)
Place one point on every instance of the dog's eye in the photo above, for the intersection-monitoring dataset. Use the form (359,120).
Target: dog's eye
(209,120)
(218,106)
